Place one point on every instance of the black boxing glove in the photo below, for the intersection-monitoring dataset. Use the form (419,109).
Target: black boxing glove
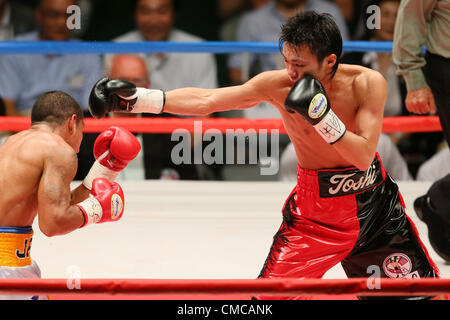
(109,95)
(308,98)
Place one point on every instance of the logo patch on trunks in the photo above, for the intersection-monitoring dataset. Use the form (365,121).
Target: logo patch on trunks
(345,182)
(398,265)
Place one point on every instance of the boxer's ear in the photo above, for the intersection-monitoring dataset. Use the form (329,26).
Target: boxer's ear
(72,124)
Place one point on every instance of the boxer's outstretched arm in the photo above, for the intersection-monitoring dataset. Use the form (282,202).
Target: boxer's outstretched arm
(56,214)
(197,101)
(121,96)
(360,146)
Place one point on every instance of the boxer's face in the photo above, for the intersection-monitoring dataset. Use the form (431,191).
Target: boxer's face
(154,19)
(300,61)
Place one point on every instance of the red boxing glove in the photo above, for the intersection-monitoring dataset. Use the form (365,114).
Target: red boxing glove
(113,150)
(105,203)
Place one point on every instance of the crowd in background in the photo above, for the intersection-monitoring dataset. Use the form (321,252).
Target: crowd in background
(24,77)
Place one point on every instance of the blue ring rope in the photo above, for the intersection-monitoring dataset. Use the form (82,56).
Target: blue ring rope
(216,47)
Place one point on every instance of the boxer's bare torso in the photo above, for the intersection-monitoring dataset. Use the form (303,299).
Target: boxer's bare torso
(33,163)
(345,96)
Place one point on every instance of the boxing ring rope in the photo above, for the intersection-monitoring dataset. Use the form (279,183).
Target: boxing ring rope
(268,287)
(169,125)
(217,47)
(170,287)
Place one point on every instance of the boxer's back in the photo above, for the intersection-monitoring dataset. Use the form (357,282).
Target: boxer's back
(22,159)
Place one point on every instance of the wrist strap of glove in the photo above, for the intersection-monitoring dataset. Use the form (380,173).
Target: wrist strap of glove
(92,210)
(331,128)
(148,100)
(99,171)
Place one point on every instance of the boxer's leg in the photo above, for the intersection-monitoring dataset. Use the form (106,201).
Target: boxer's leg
(306,248)
(388,242)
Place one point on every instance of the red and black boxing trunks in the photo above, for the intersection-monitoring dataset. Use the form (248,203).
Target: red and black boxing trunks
(350,216)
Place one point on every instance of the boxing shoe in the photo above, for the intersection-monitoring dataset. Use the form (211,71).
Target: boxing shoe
(438,229)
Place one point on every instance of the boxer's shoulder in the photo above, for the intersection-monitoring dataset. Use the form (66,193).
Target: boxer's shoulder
(360,76)
(274,83)
(40,146)
(359,80)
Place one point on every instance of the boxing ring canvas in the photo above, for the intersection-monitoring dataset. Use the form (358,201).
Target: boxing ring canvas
(187,230)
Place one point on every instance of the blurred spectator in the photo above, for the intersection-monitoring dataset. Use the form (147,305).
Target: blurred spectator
(263,24)
(155,19)
(228,30)
(435,168)
(360,16)
(393,161)
(391,158)
(357,14)
(415,147)
(347,8)
(24,77)
(170,70)
(85,17)
(382,61)
(227,9)
(15,18)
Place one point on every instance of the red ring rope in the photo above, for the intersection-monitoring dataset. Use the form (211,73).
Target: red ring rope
(168,125)
(272,287)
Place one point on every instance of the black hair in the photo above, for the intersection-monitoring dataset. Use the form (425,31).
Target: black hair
(55,107)
(318,31)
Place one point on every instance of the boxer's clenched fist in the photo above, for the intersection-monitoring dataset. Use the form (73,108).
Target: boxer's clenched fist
(114,148)
(109,95)
(105,203)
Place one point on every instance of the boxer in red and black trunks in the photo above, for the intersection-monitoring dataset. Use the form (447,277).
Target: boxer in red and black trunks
(350,216)
(333,114)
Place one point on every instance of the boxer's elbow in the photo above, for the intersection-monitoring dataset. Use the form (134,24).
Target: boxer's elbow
(52,224)
(357,150)
(363,166)
(364,161)
(49,229)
